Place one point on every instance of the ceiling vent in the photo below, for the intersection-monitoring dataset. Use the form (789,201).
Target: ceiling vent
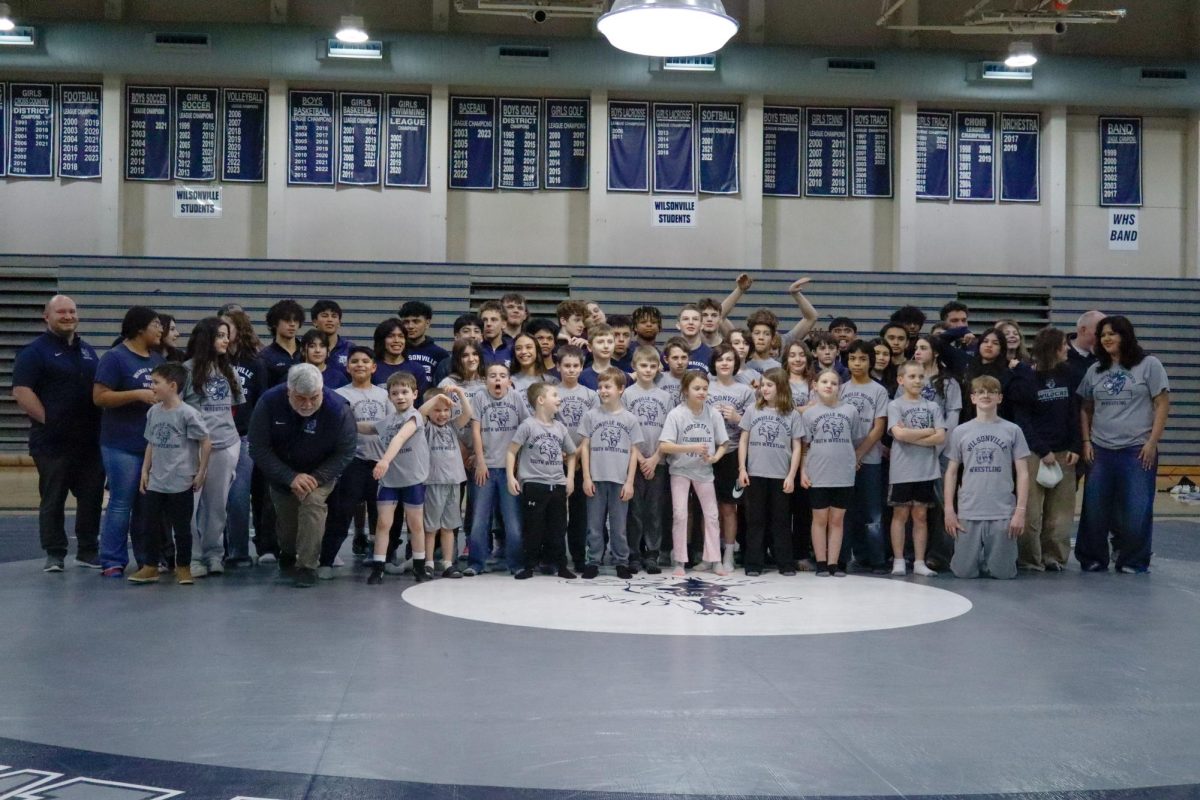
(706,63)
(523,54)
(182,42)
(848,66)
(1156,77)
(988,71)
(370,50)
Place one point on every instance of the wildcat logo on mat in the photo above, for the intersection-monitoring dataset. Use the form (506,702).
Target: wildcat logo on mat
(706,597)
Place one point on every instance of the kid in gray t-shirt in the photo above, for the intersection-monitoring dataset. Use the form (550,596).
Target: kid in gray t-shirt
(911,463)
(684,427)
(610,440)
(541,449)
(769,438)
(870,400)
(829,455)
(173,454)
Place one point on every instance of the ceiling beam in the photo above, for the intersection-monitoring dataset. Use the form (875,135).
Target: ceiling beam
(279,12)
(756,21)
(440,15)
(114,10)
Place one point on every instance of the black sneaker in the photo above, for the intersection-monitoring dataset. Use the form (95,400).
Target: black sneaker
(452,572)
(305,578)
(524,574)
(624,572)
(633,567)
(421,576)
(590,571)
(565,573)
(652,568)
(376,576)
(754,573)
(287,565)
(359,545)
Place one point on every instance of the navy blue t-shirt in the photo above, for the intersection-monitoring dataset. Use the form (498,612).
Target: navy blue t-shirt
(698,359)
(427,355)
(339,355)
(277,362)
(496,355)
(383,371)
(122,370)
(61,375)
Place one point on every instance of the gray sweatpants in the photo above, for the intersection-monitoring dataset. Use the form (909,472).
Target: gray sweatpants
(208,521)
(607,504)
(984,547)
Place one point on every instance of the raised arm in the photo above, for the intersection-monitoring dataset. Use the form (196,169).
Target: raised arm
(808,313)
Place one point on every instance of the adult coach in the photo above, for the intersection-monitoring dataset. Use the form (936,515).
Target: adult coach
(302,436)
(52,384)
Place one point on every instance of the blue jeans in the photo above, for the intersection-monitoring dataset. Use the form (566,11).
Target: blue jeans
(865,517)
(1118,498)
(237,519)
(121,518)
(495,492)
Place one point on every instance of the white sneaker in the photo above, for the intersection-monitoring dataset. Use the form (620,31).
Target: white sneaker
(727,564)
(898,567)
(324,573)
(215,567)
(199,570)
(702,566)
(337,561)
(264,558)
(919,568)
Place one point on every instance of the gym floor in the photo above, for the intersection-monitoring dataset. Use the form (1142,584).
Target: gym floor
(1050,686)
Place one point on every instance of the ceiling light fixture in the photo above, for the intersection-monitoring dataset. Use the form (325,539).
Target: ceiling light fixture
(1020,54)
(667,27)
(351,30)
(6,22)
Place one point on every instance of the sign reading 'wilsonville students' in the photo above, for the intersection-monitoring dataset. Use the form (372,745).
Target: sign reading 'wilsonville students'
(672,212)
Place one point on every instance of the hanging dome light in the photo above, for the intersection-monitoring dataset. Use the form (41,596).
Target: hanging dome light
(351,30)
(1020,54)
(667,27)
(6,23)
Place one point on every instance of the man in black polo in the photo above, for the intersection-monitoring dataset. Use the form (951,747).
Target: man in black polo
(52,383)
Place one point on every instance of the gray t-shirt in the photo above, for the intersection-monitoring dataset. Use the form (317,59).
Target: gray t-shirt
(650,406)
(769,446)
(575,402)
(470,388)
(684,427)
(870,400)
(542,449)
(1123,399)
(829,432)
(445,457)
(497,419)
(175,435)
(215,405)
(411,465)
(369,405)
(949,400)
(801,392)
(737,395)
(763,364)
(611,437)
(671,385)
(748,376)
(914,462)
(521,383)
(987,451)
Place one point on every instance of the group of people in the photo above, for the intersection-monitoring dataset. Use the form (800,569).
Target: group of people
(569,444)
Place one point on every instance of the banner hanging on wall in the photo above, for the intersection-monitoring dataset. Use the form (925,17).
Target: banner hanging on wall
(781,151)
(675,148)
(1020,144)
(196,202)
(80,130)
(975,151)
(195,134)
(360,118)
(628,140)
(1123,230)
(719,148)
(520,136)
(566,144)
(673,212)
(472,143)
(245,132)
(310,138)
(827,133)
(3,129)
(407,140)
(871,140)
(147,133)
(1121,161)
(31,130)
(933,155)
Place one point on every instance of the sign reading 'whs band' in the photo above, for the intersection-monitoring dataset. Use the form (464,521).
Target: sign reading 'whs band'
(871,140)
(520,134)
(310,138)
(361,117)
(472,143)
(628,139)
(245,126)
(147,133)
(933,155)
(781,151)
(1020,136)
(719,149)
(1121,161)
(674,148)
(407,140)
(566,144)
(975,134)
(31,130)
(195,134)
(828,133)
(80,131)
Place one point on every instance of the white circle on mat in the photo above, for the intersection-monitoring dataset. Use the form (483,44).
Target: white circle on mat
(698,605)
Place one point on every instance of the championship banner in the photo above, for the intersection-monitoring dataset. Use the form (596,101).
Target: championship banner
(245,134)
(147,133)
(781,151)
(628,146)
(871,140)
(359,121)
(1020,145)
(933,155)
(675,148)
(80,130)
(472,143)
(566,144)
(827,134)
(1121,161)
(719,140)
(407,140)
(310,138)
(195,134)
(520,136)
(975,156)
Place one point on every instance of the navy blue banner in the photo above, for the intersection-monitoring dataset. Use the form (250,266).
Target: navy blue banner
(1121,161)
(407,140)
(520,134)
(1020,143)
(80,130)
(719,149)
(195,134)
(472,143)
(628,146)
(3,129)
(245,124)
(310,138)
(147,133)
(827,140)
(674,148)
(871,138)
(31,130)
(361,120)
(566,144)
(975,156)
(781,151)
(933,155)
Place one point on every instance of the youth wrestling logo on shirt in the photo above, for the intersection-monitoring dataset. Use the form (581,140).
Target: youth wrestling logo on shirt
(368,410)
(500,417)
(1114,383)
(571,411)
(648,410)
(833,426)
(769,429)
(918,418)
(611,436)
(216,388)
(548,448)
(163,435)
(928,392)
